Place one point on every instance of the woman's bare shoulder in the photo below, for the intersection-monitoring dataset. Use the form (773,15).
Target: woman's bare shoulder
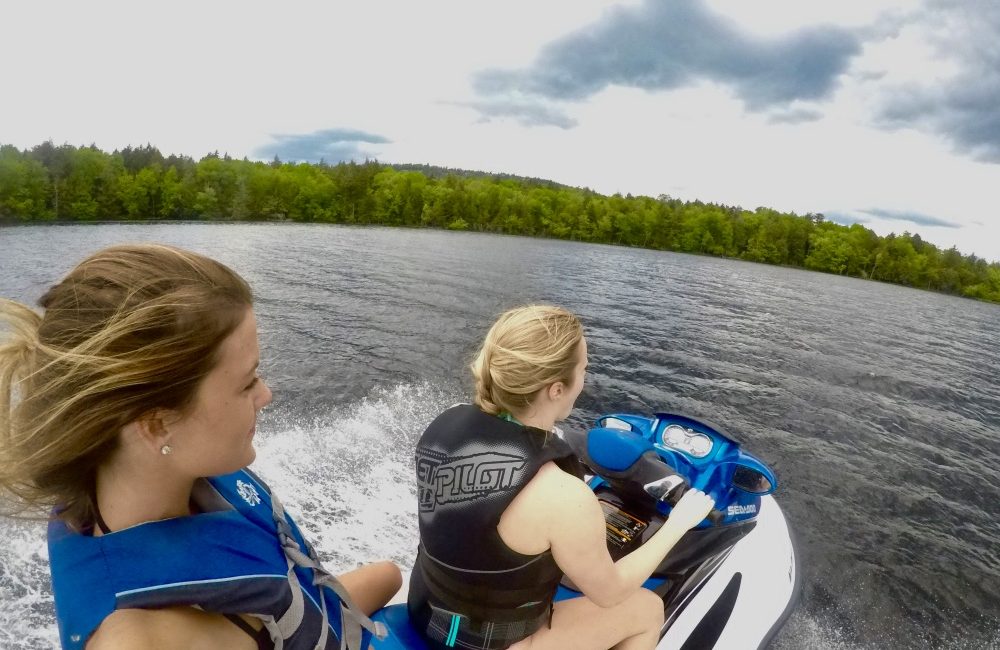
(167,629)
(549,496)
(551,488)
(552,478)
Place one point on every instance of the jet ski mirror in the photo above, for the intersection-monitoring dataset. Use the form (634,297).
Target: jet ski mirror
(752,481)
(750,475)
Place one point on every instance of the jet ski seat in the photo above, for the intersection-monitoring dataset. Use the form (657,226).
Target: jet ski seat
(401,633)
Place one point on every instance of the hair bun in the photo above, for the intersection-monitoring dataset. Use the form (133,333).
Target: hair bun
(526,349)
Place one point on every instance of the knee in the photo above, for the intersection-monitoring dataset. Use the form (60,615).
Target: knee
(390,575)
(649,608)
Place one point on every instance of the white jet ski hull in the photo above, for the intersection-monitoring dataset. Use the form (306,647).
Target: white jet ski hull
(746,597)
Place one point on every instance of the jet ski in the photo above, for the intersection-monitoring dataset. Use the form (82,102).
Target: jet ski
(731,582)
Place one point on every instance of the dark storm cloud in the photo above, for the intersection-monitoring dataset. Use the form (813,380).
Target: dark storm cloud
(527,112)
(661,45)
(912,217)
(330,145)
(963,109)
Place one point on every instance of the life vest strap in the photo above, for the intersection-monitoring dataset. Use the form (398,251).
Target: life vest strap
(352,621)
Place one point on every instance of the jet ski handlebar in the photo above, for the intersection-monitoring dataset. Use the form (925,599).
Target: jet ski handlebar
(671,488)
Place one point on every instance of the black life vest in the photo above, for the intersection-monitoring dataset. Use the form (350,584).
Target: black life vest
(468,588)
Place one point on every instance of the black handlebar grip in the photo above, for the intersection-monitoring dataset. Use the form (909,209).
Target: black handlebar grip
(676,495)
(715,516)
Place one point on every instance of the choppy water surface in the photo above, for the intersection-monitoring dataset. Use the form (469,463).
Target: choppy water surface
(878,406)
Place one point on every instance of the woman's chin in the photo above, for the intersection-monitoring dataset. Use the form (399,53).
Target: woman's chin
(245,460)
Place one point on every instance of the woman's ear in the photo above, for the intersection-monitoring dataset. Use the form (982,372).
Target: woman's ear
(149,429)
(556,390)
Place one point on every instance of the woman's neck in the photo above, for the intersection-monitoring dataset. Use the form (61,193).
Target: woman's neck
(128,495)
(534,419)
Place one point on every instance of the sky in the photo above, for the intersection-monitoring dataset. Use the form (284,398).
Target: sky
(879,112)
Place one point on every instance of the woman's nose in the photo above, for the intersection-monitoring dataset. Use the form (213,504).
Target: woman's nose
(266,395)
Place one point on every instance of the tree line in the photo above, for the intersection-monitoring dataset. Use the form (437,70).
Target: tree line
(67,183)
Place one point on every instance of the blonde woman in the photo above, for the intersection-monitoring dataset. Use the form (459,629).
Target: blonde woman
(129,407)
(503,513)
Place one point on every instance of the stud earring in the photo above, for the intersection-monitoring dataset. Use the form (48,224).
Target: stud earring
(166,450)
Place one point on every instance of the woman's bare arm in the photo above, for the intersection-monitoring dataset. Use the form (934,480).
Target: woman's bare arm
(574,524)
(174,628)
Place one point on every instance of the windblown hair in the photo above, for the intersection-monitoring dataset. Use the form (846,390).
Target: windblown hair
(130,330)
(527,349)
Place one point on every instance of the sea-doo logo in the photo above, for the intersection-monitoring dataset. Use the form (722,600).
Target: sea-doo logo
(248,492)
(734,510)
(442,479)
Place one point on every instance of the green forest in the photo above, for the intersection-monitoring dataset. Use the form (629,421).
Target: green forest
(64,183)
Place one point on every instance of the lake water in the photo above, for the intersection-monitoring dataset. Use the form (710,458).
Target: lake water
(878,406)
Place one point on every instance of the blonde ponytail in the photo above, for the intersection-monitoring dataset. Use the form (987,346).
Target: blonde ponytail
(16,354)
(481,371)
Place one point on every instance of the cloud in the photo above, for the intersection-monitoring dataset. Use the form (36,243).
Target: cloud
(963,108)
(844,218)
(796,115)
(912,217)
(330,145)
(662,45)
(528,112)
(868,215)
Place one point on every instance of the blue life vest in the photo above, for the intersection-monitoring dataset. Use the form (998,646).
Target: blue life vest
(244,556)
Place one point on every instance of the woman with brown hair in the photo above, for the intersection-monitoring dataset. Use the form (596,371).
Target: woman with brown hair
(129,407)
(503,511)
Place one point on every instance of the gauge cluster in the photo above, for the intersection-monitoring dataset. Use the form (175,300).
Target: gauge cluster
(685,440)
